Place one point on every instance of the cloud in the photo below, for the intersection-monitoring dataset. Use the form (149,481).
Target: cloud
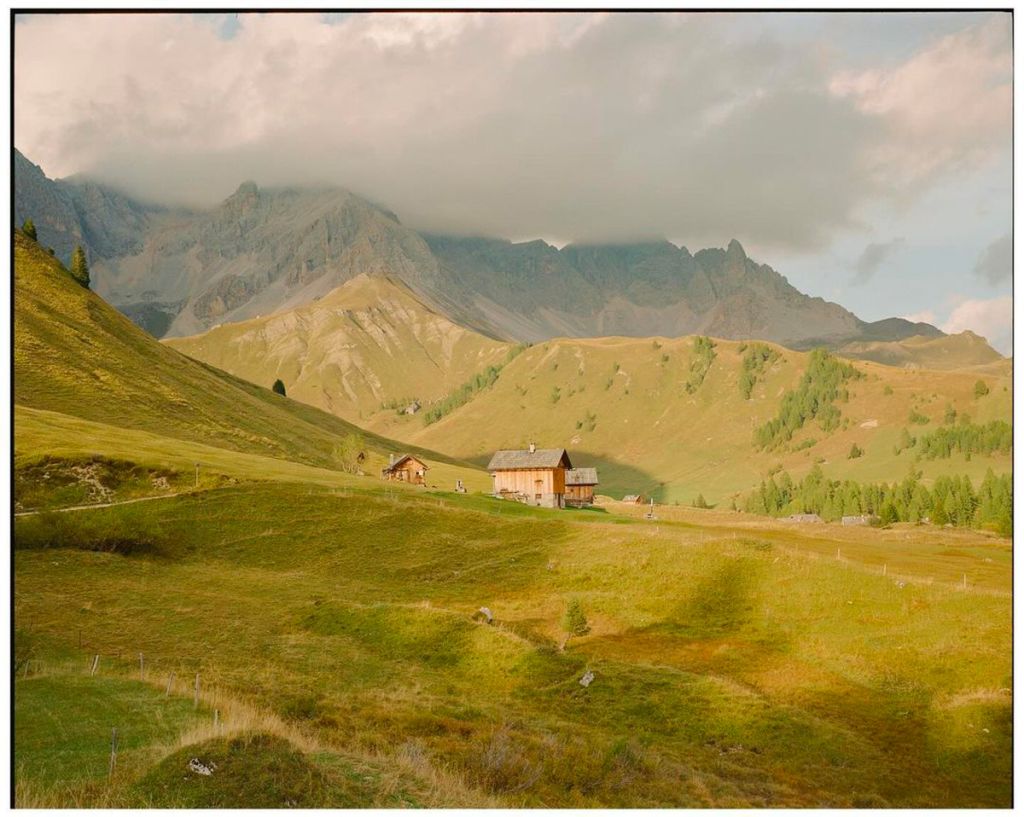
(991,318)
(995,264)
(601,126)
(871,259)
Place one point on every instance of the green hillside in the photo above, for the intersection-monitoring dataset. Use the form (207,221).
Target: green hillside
(658,419)
(74,355)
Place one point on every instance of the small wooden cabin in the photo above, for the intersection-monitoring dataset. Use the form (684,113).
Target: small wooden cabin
(406,468)
(633,499)
(579,486)
(535,476)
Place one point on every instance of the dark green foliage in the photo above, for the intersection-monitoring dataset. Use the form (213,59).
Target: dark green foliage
(758,356)
(556,394)
(462,395)
(29,229)
(700,502)
(80,266)
(813,398)
(967,438)
(887,391)
(980,388)
(918,419)
(950,416)
(703,355)
(855,452)
(574,622)
(278,388)
(128,533)
(951,500)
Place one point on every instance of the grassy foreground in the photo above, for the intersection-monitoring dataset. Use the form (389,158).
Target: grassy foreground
(734,665)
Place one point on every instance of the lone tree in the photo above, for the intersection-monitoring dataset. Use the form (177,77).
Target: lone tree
(279,387)
(349,453)
(855,452)
(574,622)
(80,266)
(29,229)
(980,388)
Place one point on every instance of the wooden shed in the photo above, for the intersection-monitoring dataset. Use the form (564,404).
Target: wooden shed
(579,486)
(406,468)
(633,499)
(535,476)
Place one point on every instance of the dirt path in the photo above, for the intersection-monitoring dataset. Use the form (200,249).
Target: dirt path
(103,504)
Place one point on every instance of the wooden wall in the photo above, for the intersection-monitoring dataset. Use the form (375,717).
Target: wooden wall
(530,481)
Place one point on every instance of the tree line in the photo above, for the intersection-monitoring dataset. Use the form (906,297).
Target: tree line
(813,399)
(951,500)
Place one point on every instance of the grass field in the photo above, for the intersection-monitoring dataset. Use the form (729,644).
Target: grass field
(734,667)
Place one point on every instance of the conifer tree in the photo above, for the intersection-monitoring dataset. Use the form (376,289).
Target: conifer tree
(279,387)
(80,266)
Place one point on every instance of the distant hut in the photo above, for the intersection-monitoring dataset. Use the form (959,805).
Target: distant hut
(806,518)
(406,468)
(535,476)
(579,486)
(633,499)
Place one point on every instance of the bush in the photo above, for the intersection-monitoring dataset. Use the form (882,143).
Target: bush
(855,452)
(278,388)
(29,229)
(980,388)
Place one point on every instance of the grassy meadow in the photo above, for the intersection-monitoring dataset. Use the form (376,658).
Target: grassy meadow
(733,666)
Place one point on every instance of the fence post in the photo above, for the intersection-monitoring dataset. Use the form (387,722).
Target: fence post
(197,691)
(113,752)
(170,680)
(885,569)
(142,668)
(965,581)
(95,664)
(216,720)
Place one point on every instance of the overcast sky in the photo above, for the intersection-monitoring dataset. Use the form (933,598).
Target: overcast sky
(865,156)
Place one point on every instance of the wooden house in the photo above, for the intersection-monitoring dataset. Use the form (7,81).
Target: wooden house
(579,486)
(406,468)
(535,476)
(633,499)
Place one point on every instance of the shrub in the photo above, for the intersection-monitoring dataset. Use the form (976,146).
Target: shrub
(574,622)
(29,229)
(980,388)
(855,452)
(278,388)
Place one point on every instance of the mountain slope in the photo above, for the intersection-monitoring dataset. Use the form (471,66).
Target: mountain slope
(75,355)
(533,291)
(961,351)
(623,404)
(261,251)
(71,212)
(367,344)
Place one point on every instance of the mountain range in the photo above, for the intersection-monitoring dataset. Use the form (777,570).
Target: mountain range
(178,271)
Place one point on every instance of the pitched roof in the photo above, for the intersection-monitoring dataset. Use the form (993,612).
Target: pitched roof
(399,460)
(581,476)
(631,498)
(511,460)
